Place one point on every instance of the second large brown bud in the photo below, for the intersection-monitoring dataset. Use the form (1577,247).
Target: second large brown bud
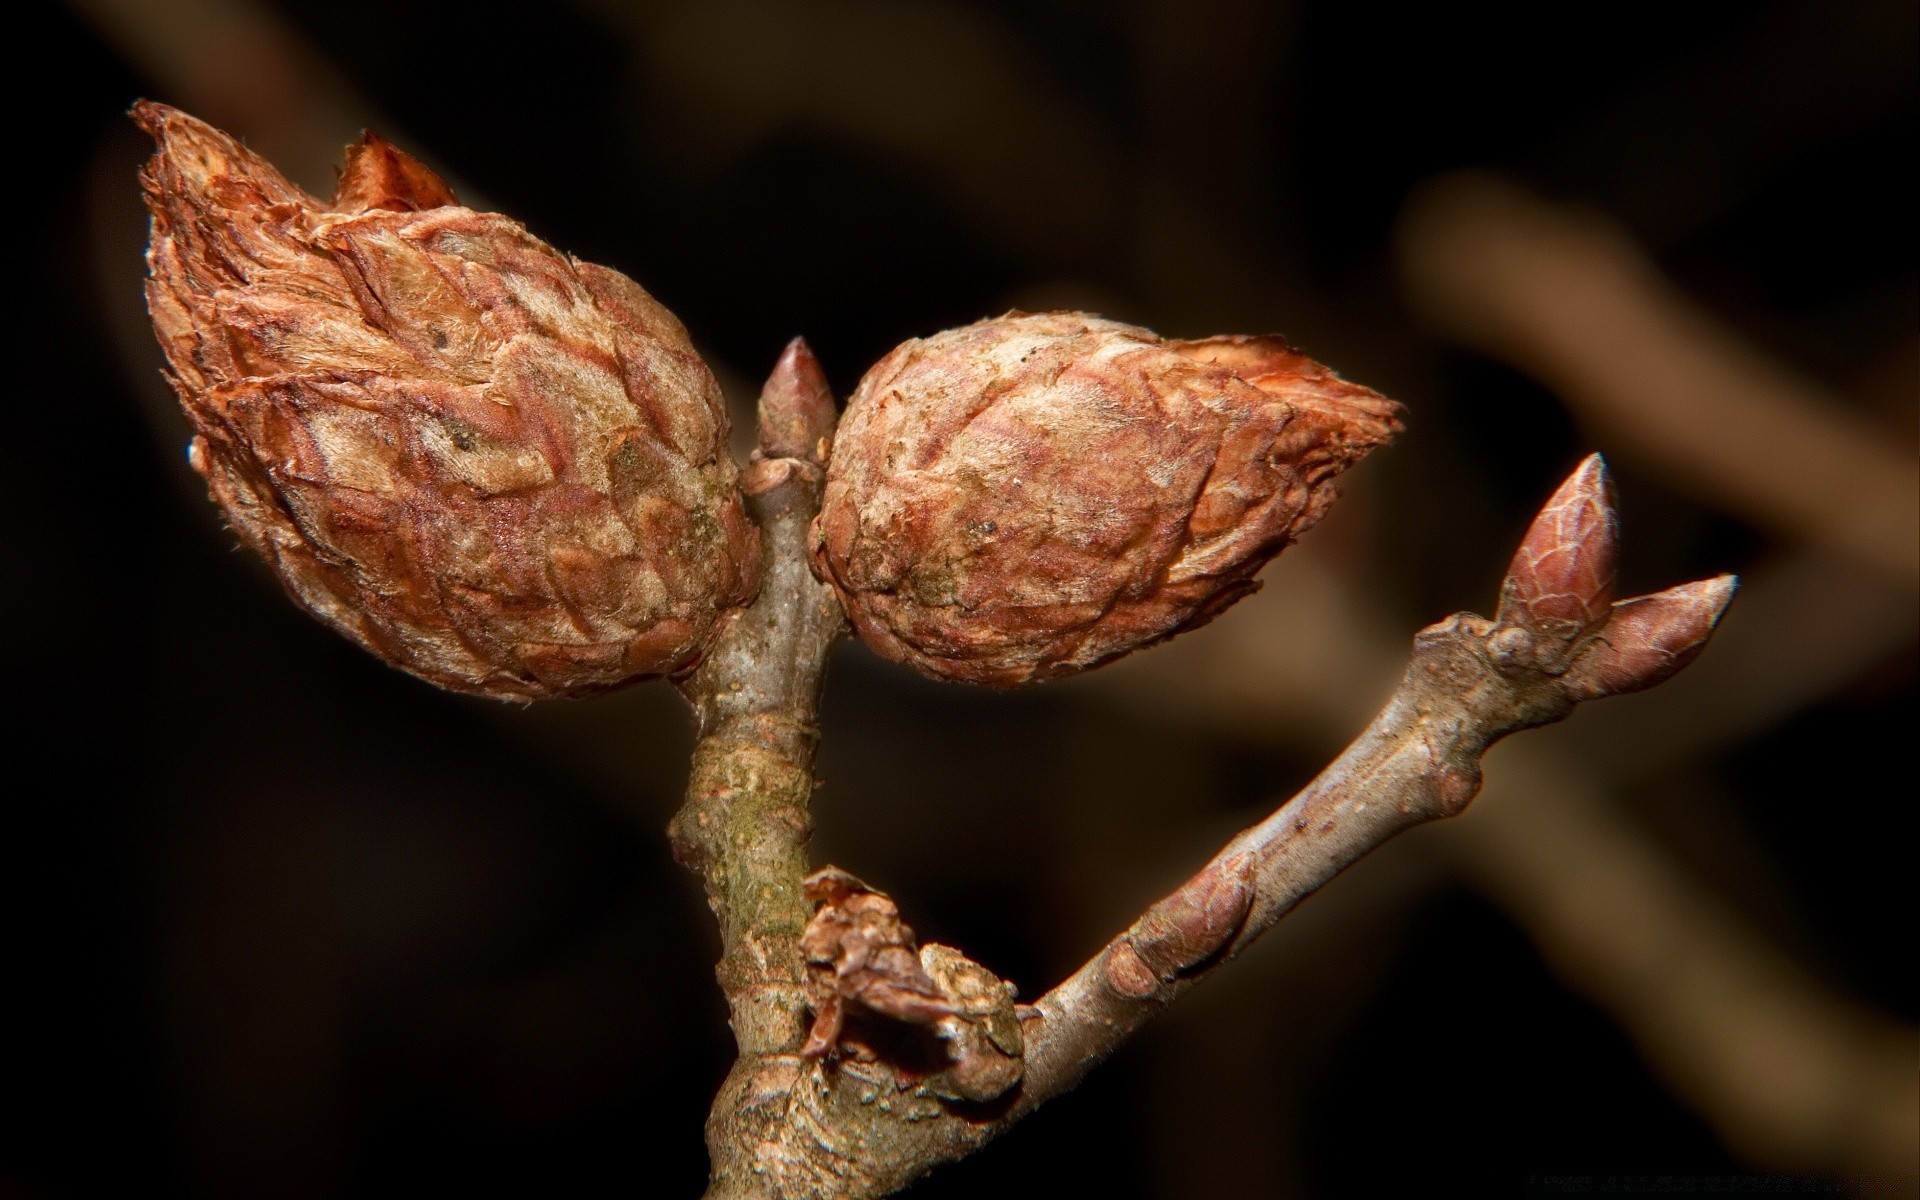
(1033,495)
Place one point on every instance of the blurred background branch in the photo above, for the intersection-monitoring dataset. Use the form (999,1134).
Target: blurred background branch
(1567,298)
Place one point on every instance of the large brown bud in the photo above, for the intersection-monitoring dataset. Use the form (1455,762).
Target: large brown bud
(491,464)
(1036,494)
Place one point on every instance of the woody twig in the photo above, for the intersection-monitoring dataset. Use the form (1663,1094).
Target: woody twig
(865,1128)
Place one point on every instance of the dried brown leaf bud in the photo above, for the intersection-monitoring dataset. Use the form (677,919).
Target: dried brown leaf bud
(860,958)
(1035,494)
(491,464)
(860,952)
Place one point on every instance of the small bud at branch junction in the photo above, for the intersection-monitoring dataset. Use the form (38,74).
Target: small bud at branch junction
(796,406)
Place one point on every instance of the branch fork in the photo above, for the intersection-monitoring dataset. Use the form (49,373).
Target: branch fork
(504,470)
(864,1060)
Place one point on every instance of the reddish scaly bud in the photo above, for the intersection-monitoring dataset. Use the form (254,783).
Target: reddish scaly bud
(1560,583)
(1649,639)
(493,465)
(1033,495)
(796,407)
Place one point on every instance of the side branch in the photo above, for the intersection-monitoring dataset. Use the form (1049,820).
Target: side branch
(829,1119)
(1558,639)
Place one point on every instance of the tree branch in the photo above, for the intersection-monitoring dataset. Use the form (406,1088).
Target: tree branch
(865,1128)
(745,823)
(1607,906)
(1471,682)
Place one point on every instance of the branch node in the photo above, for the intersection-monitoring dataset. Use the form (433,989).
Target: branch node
(1195,921)
(1455,788)
(1126,974)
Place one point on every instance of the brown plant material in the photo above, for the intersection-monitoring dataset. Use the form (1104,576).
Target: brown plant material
(1556,607)
(1210,279)
(1036,494)
(379,175)
(1605,902)
(745,822)
(861,960)
(1419,760)
(983,1037)
(1561,577)
(860,952)
(495,466)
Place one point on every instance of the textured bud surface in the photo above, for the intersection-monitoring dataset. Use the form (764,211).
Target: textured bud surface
(1035,494)
(493,465)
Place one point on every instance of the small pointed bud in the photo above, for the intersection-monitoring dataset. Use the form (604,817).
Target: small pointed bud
(497,467)
(1033,495)
(1560,583)
(796,407)
(1649,638)
(380,175)
(1194,922)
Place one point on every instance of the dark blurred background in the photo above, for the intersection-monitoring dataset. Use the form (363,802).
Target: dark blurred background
(287,923)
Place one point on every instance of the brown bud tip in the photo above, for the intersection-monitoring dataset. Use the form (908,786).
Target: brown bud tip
(195,160)
(1036,494)
(378,174)
(1560,584)
(796,406)
(492,465)
(1649,638)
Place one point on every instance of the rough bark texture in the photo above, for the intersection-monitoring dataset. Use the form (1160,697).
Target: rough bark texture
(840,1125)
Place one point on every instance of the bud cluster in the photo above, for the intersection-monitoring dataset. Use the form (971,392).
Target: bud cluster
(505,470)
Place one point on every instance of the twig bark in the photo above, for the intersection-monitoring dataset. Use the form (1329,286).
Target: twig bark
(865,1128)
(1713,1009)
(1556,641)
(745,824)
